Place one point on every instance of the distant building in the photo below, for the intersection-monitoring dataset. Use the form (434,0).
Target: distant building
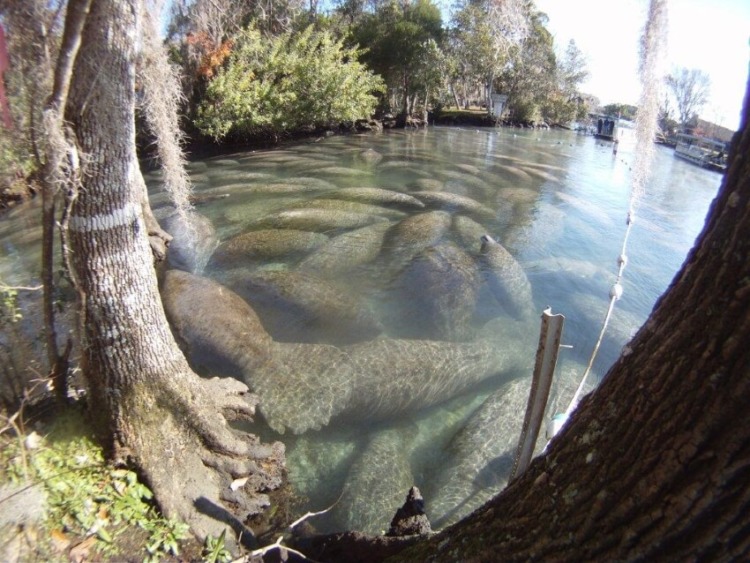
(712,131)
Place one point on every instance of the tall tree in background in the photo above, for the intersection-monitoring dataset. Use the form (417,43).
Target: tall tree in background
(147,405)
(488,32)
(399,39)
(530,79)
(690,88)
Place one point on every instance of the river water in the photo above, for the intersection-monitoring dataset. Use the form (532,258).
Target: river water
(555,200)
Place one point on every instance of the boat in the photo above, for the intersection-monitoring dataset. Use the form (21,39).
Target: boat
(605,126)
(702,151)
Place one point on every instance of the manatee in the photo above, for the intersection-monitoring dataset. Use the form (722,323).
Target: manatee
(319,462)
(396,376)
(440,287)
(297,307)
(429,184)
(217,329)
(303,386)
(541,174)
(412,235)
(377,482)
(514,170)
(318,220)
(349,206)
(466,180)
(194,241)
(307,385)
(269,244)
(480,456)
(378,196)
(340,171)
(470,168)
(314,183)
(223,177)
(223,163)
(506,279)
(346,251)
(457,203)
(269,189)
(196,166)
(370,156)
(469,233)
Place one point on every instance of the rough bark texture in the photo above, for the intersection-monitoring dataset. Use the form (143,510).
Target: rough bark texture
(149,406)
(655,465)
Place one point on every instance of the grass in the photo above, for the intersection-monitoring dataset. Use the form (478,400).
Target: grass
(87,502)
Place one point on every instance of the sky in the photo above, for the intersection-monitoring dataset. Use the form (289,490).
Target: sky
(710,35)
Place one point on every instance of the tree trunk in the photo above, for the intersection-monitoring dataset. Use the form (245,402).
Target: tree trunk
(148,406)
(655,464)
(455,96)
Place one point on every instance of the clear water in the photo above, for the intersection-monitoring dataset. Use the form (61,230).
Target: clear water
(559,202)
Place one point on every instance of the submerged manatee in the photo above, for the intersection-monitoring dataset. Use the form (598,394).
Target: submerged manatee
(351,206)
(480,456)
(266,244)
(318,220)
(440,287)
(412,235)
(305,386)
(297,307)
(378,196)
(457,203)
(217,329)
(377,482)
(469,233)
(506,279)
(346,251)
(194,241)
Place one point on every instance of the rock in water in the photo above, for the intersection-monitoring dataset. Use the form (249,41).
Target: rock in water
(506,279)
(297,307)
(410,519)
(267,244)
(440,288)
(480,456)
(219,332)
(346,251)
(194,241)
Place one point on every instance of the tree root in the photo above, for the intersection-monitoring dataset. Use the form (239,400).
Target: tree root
(201,470)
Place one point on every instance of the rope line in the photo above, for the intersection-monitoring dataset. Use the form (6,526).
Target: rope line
(614,295)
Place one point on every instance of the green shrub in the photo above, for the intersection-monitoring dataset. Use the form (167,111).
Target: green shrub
(285,83)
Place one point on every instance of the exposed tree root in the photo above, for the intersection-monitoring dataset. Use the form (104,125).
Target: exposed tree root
(202,470)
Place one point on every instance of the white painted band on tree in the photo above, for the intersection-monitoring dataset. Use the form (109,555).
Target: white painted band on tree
(118,218)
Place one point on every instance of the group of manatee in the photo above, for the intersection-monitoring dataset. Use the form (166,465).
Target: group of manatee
(364,307)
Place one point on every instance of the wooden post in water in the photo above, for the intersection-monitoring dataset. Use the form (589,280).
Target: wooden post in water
(546,359)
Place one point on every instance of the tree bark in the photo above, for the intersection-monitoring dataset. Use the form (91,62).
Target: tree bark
(147,405)
(655,464)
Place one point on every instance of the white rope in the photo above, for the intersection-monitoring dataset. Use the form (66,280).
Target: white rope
(614,295)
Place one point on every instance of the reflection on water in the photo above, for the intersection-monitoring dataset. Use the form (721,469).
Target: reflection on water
(308,236)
